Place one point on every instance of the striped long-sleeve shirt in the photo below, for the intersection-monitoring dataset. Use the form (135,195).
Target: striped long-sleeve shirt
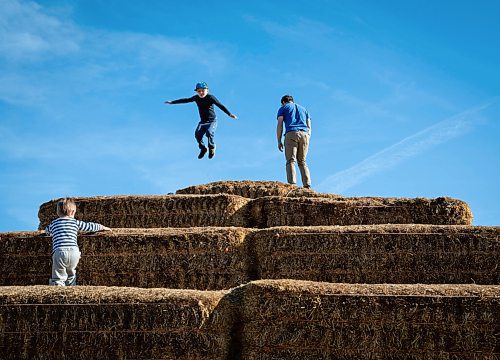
(64,231)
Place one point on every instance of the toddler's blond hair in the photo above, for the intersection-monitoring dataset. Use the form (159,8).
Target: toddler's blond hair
(65,207)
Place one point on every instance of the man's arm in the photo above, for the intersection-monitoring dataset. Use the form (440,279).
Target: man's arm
(279,132)
(309,126)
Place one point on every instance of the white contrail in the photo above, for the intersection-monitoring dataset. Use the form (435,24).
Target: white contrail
(408,147)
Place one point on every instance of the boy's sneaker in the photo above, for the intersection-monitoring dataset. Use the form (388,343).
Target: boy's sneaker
(203,151)
(211,153)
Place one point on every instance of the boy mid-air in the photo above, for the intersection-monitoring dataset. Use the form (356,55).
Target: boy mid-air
(208,119)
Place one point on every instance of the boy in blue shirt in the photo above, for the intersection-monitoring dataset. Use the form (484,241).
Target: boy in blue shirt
(208,119)
(297,134)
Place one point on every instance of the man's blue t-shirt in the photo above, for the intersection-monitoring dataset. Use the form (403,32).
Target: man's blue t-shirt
(294,116)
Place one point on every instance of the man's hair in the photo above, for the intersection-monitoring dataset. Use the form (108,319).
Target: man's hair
(65,207)
(287,98)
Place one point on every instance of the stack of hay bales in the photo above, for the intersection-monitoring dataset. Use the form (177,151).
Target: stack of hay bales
(285,319)
(263,212)
(41,322)
(216,236)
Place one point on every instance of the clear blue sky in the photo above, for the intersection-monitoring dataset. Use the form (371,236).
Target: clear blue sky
(403,95)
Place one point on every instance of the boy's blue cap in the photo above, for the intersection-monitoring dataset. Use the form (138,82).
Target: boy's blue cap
(201,85)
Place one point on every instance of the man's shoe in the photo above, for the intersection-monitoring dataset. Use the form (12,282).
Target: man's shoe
(202,153)
(211,153)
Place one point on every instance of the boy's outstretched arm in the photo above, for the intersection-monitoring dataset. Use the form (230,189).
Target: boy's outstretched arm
(223,108)
(181,101)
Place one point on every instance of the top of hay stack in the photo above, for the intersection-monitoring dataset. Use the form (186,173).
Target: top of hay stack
(42,294)
(325,289)
(252,189)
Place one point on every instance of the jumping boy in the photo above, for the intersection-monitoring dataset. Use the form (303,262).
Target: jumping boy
(208,119)
(65,251)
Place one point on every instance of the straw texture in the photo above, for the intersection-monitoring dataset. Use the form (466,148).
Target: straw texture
(279,211)
(305,320)
(154,211)
(398,254)
(193,258)
(252,189)
(45,322)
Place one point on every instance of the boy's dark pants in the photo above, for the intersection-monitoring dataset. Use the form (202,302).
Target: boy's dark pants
(207,129)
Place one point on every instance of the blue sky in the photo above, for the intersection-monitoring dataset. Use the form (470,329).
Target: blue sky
(403,95)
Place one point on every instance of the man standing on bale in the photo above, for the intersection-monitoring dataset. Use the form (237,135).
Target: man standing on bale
(297,134)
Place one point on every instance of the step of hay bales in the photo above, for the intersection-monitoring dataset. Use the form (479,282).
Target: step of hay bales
(189,258)
(399,254)
(154,211)
(285,211)
(251,189)
(50,322)
(306,320)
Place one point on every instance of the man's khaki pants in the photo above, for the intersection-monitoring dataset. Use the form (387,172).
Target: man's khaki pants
(296,146)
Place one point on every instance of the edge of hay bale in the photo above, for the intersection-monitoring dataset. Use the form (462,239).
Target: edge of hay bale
(252,189)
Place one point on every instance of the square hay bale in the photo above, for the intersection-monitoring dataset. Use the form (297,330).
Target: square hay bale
(285,319)
(285,211)
(25,258)
(188,258)
(48,322)
(155,211)
(252,189)
(398,254)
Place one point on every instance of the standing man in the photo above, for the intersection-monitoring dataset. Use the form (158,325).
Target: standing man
(297,134)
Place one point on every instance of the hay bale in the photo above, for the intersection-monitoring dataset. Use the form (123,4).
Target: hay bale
(280,211)
(399,254)
(154,211)
(252,189)
(80,322)
(193,258)
(305,320)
